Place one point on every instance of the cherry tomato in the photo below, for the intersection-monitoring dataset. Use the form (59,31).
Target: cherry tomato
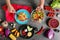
(51,14)
(24,33)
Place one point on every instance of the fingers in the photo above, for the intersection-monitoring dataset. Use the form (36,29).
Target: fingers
(12,11)
(39,8)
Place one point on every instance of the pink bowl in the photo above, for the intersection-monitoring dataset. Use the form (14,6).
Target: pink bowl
(53,23)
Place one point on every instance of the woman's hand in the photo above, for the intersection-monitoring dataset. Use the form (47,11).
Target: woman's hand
(41,5)
(11,9)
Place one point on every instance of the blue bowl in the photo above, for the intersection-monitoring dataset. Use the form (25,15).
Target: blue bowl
(25,12)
